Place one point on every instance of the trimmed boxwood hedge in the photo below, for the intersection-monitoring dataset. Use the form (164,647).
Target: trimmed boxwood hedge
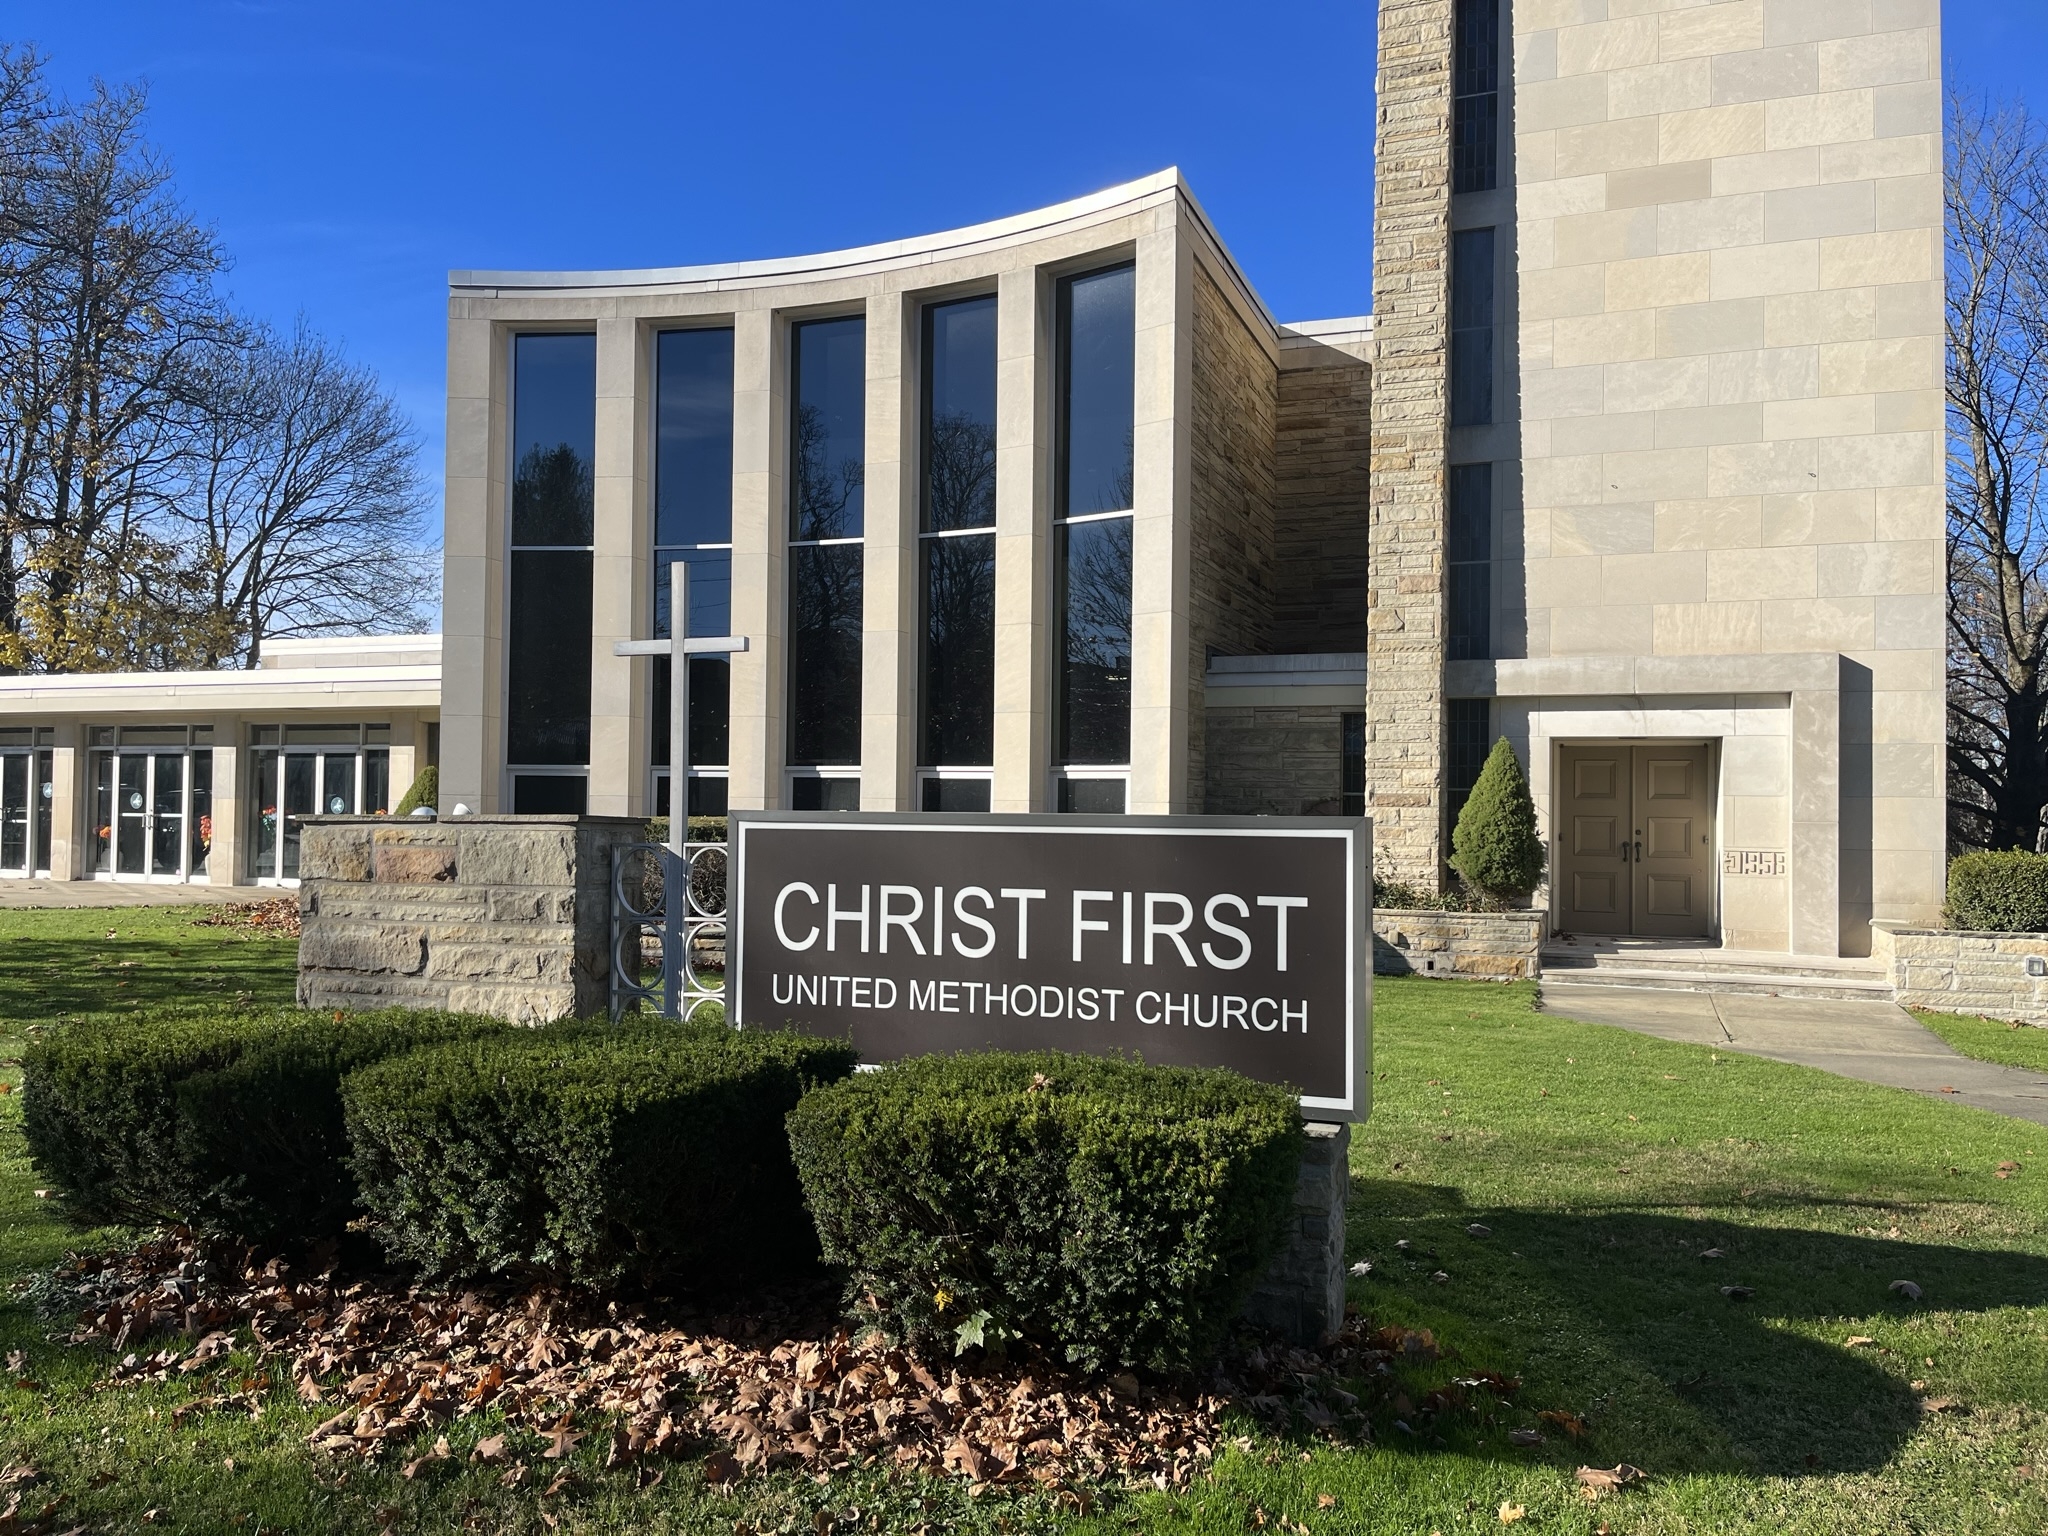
(1998,892)
(590,1154)
(229,1122)
(1118,1211)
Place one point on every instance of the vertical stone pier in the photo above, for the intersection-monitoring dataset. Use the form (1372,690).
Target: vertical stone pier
(501,915)
(1301,1295)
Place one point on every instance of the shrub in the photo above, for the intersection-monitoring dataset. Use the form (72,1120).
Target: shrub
(1495,846)
(426,790)
(1998,892)
(230,1122)
(588,1153)
(1399,894)
(1118,1210)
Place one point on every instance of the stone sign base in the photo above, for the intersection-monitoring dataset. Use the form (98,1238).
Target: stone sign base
(1301,1295)
(501,915)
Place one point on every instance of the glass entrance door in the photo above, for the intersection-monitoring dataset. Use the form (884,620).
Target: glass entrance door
(17,847)
(154,818)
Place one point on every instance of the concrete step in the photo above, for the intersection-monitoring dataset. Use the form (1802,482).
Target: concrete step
(1685,968)
(1754,985)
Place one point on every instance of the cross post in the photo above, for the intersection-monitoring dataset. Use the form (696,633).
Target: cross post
(679,647)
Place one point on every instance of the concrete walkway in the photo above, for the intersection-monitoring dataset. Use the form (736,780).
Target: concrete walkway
(125,893)
(1873,1041)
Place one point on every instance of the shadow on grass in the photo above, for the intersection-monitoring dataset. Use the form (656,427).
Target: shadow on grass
(43,978)
(1618,1317)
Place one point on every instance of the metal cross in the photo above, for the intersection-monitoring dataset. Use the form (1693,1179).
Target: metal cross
(680,645)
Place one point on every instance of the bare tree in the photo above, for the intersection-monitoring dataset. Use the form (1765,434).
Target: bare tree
(303,498)
(1997,192)
(114,308)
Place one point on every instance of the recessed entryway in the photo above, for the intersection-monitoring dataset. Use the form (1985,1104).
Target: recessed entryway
(1634,839)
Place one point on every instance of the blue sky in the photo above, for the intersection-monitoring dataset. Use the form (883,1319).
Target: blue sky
(351,154)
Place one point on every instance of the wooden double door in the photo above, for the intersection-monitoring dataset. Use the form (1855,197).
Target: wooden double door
(1636,840)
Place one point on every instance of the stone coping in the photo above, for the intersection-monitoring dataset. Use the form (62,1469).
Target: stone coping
(483,819)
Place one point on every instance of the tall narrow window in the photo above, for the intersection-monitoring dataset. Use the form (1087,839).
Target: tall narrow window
(554,445)
(1475,97)
(1466,743)
(956,747)
(1469,555)
(1471,327)
(693,524)
(1351,778)
(1097,353)
(828,455)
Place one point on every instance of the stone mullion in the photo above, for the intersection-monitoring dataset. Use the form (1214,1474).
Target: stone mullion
(1404,602)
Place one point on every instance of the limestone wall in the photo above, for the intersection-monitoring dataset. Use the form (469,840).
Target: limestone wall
(1273,760)
(1301,1294)
(1323,442)
(1982,973)
(502,915)
(1230,544)
(1472,946)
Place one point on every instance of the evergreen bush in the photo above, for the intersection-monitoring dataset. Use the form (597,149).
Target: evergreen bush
(1495,846)
(1118,1211)
(1998,892)
(590,1153)
(228,1122)
(426,790)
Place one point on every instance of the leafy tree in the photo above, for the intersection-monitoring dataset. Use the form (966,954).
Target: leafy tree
(1495,845)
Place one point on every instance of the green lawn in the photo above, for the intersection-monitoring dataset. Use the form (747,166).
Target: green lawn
(94,960)
(1604,1164)
(2015,1045)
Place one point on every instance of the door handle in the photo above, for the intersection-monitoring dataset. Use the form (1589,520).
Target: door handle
(1639,850)
(1624,850)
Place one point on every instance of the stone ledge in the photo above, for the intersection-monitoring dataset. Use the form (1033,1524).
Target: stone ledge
(1472,946)
(1947,970)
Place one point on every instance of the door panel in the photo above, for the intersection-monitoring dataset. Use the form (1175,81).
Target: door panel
(14,823)
(131,815)
(1673,816)
(167,815)
(1593,872)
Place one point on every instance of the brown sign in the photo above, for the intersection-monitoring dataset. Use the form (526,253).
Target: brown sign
(1242,942)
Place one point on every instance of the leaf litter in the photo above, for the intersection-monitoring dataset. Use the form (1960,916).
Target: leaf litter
(781,1383)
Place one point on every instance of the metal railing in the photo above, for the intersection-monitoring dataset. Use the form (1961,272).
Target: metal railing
(678,899)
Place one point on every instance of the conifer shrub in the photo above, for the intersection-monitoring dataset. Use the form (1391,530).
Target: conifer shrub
(1998,892)
(227,1122)
(426,790)
(591,1154)
(1118,1212)
(1495,846)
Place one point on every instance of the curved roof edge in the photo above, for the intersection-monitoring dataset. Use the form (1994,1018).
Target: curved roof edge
(917,250)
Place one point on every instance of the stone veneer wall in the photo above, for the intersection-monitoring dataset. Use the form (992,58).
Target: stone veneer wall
(1958,972)
(1301,1294)
(1320,536)
(1405,616)
(501,915)
(1231,429)
(1274,760)
(1477,946)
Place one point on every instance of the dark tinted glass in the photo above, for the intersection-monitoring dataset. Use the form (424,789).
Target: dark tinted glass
(824,653)
(1475,105)
(707,797)
(807,794)
(956,794)
(710,711)
(1469,549)
(46,795)
(710,590)
(1095,642)
(959,651)
(547,703)
(960,415)
(549,794)
(1471,512)
(693,438)
(1351,773)
(1098,352)
(554,438)
(1092,797)
(1471,327)
(828,430)
(1475,60)
(1467,743)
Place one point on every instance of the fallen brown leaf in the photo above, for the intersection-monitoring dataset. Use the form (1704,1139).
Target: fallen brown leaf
(1599,1481)
(1510,1513)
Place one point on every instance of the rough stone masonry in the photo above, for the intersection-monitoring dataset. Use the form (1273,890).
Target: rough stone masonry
(501,915)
